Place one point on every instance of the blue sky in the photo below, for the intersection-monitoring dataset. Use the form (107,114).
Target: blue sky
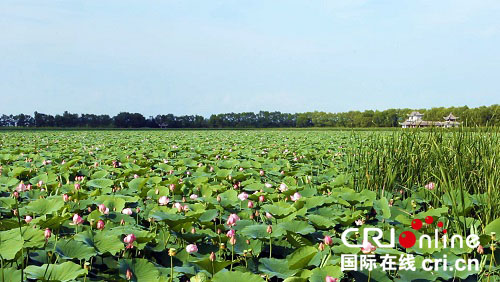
(203,57)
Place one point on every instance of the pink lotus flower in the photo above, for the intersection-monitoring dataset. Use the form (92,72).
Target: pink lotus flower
(136,176)
(28,219)
(77,186)
(268,215)
(331,279)
(129,240)
(100,224)
(328,240)
(231,233)
(367,247)
(193,197)
(283,187)
(185,208)
(127,211)
(295,197)
(163,201)
(47,233)
(250,204)
(103,209)
(192,248)
(360,222)
(77,219)
(268,185)
(65,197)
(21,187)
(15,194)
(178,206)
(430,186)
(232,219)
(262,198)
(261,173)
(243,196)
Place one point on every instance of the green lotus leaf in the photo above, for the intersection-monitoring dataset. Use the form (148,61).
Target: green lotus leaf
(100,183)
(142,270)
(61,272)
(301,257)
(69,249)
(276,267)
(11,242)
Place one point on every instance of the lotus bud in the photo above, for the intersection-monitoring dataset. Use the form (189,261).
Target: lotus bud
(15,194)
(219,231)
(262,198)
(328,240)
(122,222)
(252,216)
(480,250)
(28,219)
(248,242)
(193,230)
(129,274)
(232,241)
(212,256)
(100,224)
(77,219)
(77,186)
(269,229)
(250,204)
(219,198)
(321,246)
(157,191)
(47,233)
(261,173)
(137,210)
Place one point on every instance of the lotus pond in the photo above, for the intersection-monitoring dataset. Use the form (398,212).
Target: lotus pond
(244,205)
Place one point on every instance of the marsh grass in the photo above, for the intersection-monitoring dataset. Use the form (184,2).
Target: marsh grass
(464,165)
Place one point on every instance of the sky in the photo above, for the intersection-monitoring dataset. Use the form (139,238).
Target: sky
(206,57)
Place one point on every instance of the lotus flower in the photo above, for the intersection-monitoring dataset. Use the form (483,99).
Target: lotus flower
(430,185)
(212,256)
(295,197)
(127,211)
(193,197)
(77,219)
(231,233)
(283,187)
(129,240)
(268,185)
(331,279)
(233,218)
(360,222)
(250,204)
(192,248)
(21,187)
(163,201)
(262,198)
(77,186)
(28,219)
(232,241)
(103,209)
(243,196)
(65,197)
(367,247)
(261,173)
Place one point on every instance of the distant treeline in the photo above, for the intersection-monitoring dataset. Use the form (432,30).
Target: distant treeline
(481,116)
